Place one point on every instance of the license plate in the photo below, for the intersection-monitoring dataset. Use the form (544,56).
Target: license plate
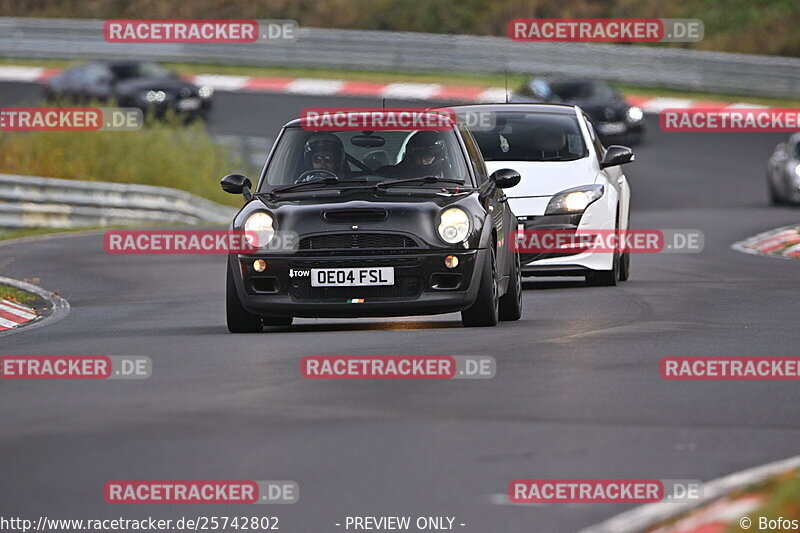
(352,277)
(188,104)
(611,128)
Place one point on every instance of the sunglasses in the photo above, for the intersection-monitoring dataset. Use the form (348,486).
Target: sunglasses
(323,158)
(428,151)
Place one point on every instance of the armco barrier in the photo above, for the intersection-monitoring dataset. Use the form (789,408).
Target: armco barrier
(406,51)
(35,202)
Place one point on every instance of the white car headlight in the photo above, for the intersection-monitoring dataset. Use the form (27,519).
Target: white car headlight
(454,225)
(797,170)
(205,92)
(152,97)
(635,114)
(262,225)
(574,200)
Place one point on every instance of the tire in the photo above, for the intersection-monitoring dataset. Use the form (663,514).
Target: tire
(239,319)
(625,266)
(486,309)
(774,197)
(605,278)
(511,301)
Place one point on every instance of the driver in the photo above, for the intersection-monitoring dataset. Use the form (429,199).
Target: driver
(424,156)
(325,151)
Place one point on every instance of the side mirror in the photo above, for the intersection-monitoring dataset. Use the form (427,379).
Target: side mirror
(617,155)
(237,184)
(505,178)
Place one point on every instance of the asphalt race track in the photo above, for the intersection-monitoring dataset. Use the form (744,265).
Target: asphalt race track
(577,393)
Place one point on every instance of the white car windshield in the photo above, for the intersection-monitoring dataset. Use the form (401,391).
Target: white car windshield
(520,136)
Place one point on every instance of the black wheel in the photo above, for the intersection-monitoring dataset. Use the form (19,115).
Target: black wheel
(774,197)
(625,266)
(284,321)
(239,320)
(511,301)
(605,278)
(485,311)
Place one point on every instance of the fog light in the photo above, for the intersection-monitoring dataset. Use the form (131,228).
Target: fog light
(451,261)
(259,265)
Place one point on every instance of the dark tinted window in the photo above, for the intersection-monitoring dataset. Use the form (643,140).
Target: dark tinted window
(599,149)
(581,90)
(475,155)
(141,70)
(520,136)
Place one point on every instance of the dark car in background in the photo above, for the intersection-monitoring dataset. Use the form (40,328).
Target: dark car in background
(385,223)
(146,85)
(614,119)
(783,172)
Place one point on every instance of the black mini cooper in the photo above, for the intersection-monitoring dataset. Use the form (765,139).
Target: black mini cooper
(371,224)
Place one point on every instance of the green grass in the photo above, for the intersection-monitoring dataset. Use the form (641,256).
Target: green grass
(8,234)
(161,153)
(487,80)
(16,295)
(783,500)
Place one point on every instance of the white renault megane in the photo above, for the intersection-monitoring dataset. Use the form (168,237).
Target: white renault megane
(570,181)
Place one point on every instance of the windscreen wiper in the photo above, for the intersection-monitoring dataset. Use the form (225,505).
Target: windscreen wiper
(330,180)
(425,179)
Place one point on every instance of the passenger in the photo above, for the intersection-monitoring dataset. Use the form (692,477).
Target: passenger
(425,156)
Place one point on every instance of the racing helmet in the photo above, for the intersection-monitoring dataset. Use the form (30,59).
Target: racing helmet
(426,151)
(324,142)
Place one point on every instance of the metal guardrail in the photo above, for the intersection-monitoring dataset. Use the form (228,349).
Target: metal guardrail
(34,202)
(314,47)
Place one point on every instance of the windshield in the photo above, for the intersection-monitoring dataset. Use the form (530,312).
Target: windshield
(141,70)
(532,137)
(373,157)
(581,90)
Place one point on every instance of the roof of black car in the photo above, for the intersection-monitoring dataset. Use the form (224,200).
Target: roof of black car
(564,109)
(302,121)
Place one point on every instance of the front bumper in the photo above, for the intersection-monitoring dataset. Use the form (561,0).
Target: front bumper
(422,284)
(566,263)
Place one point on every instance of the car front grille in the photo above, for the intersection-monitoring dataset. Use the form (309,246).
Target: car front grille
(391,242)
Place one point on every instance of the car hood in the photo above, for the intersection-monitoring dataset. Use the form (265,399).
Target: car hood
(169,86)
(546,178)
(415,215)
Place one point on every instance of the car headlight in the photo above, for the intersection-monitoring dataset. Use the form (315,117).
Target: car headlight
(154,97)
(453,225)
(797,170)
(205,92)
(263,225)
(634,114)
(574,200)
